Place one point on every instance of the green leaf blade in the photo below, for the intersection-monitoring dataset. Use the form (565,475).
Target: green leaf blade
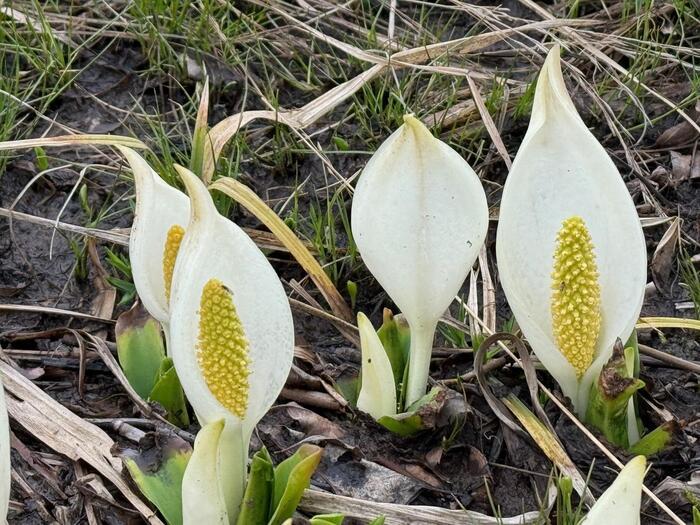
(160,478)
(169,394)
(255,508)
(140,348)
(292,478)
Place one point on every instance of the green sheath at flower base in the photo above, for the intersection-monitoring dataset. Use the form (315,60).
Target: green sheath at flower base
(575,295)
(610,396)
(172,246)
(222,349)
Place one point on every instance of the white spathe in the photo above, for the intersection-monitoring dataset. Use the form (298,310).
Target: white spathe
(419,218)
(159,207)
(378,393)
(560,171)
(203,499)
(620,504)
(216,248)
(4,458)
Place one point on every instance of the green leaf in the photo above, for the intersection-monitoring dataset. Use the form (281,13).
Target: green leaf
(327,519)
(655,441)
(158,474)
(341,143)
(395,335)
(566,489)
(200,136)
(696,516)
(377,521)
(349,388)
(140,348)
(352,292)
(84,202)
(255,508)
(421,415)
(634,428)
(292,477)
(168,392)
(42,161)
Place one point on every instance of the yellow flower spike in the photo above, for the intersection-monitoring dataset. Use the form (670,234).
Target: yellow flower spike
(4,458)
(562,179)
(172,246)
(222,350)
(575,295)
(161,214)
(231,333)
(620,503)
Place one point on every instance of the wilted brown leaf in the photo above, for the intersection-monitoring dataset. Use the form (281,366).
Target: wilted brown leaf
(662,261)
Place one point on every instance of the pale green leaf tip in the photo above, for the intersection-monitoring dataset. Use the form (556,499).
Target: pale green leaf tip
(378,392)
(130,155)
(554,53)
(201,480)
(636,467)
(620,503)
(200,199)
(415,125)
(189,179)
(123,149)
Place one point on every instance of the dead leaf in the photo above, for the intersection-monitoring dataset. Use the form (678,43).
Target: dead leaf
(315,501)
(66,433)
(680,134)
(680,168)
(675,493)
(662,262)
(360,478)
(310,422)
(695,167)
(103,304)
(434,457)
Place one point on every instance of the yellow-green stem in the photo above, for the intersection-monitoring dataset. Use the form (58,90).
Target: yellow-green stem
(233,458)
(419,361)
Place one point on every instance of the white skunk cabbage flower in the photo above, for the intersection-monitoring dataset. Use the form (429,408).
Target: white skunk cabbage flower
(378,392)
(161,214)
(232,337)
(419,218)
(570,248)
(4,458)
(620,504)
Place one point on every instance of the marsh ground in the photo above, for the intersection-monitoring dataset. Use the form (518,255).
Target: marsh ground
(137,67)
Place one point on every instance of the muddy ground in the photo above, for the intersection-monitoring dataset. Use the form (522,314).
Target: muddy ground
(471,463)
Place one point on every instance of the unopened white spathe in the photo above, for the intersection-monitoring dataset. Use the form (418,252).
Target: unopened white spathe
(620,504)
(202,480)
(160,210)
(4,458)
(226,298)
(562,172)
(378,393)
(419,218)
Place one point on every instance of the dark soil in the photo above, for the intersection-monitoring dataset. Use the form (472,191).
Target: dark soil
(479,467)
